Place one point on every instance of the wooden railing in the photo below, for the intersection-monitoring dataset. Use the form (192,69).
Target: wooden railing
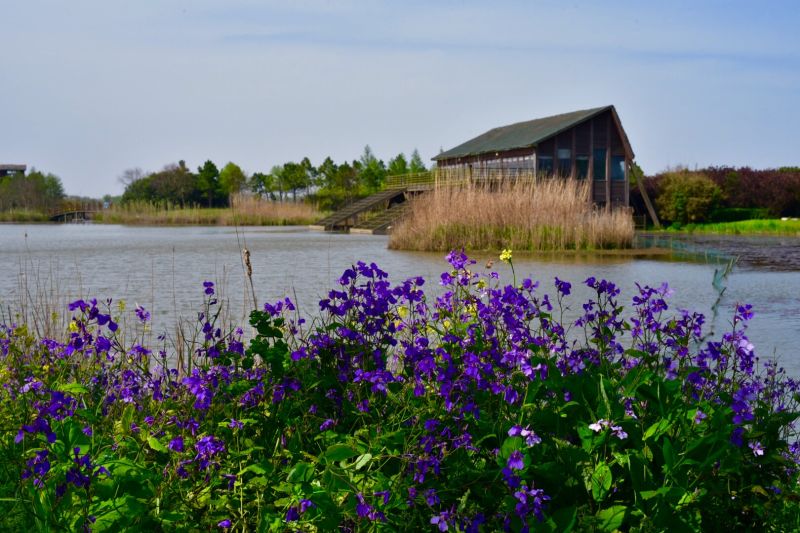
(402,181)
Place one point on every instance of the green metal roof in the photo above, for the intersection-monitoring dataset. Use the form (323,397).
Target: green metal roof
(520,135)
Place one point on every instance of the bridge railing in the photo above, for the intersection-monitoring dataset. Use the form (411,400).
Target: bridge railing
(458,176)
(401,181)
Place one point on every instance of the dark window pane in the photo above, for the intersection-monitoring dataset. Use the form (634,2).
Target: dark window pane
(564,162)
(582,166)
(618,167)
(544,164)
(599,165)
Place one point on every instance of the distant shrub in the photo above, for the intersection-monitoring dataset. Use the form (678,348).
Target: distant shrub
(777,190)
(735,214)
(686,197)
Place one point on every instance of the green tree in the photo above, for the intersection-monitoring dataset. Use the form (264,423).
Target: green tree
(326,174)
(263,184)
(231,179)
(416,164)
(373,171)
(686,197)
(297,176)
(174,184)
(208,182)
(398,165)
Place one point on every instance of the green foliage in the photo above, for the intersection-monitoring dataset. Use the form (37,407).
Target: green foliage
(398,165)
(735,214)
(208,185)
(686,197)
(416,165)
(174,184)
(34,191)
(231,179)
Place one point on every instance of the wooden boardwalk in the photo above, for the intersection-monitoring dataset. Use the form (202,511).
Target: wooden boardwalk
(376,214)
(74,215)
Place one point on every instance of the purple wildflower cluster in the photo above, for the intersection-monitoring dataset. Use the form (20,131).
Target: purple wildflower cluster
(380,409)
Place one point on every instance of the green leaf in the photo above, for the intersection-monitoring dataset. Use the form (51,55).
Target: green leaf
(339,452)
(301,472)
(669,455)
(657,429)
(612,518)
(156,445)
(363,460)
(510,445)
(72,388)
(601,481)
(563,520)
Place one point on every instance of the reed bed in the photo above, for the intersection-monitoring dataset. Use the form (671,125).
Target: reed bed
(544,215)
(244,211)
(23,215)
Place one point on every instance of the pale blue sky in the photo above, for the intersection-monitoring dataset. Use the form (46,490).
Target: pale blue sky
(90,88)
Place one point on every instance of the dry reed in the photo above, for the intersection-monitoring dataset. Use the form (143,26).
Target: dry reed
(244,211)
(523,214)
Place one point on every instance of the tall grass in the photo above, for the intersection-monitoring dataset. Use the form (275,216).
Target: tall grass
(23,215)
(244,211)
(542,215)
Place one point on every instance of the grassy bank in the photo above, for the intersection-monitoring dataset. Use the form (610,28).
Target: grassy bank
(542,216)
(245,211)
(744,227)
(23,215)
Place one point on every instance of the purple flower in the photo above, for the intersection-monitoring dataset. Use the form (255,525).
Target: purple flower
(758,449)
(563,287)
(209,287)
(142,314)
(442,520)
(431,497)
(225,524)
(699,416)
(329,423)
(530,437)
(516,461)
(176,444)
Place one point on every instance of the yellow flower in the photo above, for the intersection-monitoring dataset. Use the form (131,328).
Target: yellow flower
(73,327)
(505,256)
(402,311)
(121,305)
(481,284)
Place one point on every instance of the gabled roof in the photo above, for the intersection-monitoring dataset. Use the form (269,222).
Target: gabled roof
(8,166)
(524,134)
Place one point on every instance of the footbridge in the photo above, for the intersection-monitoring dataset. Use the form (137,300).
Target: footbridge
(376,213)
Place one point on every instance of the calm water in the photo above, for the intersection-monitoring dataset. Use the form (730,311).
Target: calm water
(163,270)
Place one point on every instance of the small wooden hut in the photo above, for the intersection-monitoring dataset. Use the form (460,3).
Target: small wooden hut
(588,144)
(8,170)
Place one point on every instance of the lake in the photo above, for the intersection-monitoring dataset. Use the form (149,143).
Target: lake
(163,268)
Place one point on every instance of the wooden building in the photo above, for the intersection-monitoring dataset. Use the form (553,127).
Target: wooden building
(588,144)
(8,170)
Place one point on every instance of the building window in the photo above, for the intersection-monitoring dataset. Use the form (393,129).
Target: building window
(564,162)
(544,164)
(618,167)
(599,164)
(581,166)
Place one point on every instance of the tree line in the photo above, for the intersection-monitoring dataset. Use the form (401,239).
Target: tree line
(327,185)
(36,191)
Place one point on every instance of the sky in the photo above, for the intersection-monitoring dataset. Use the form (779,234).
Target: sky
(89,89)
